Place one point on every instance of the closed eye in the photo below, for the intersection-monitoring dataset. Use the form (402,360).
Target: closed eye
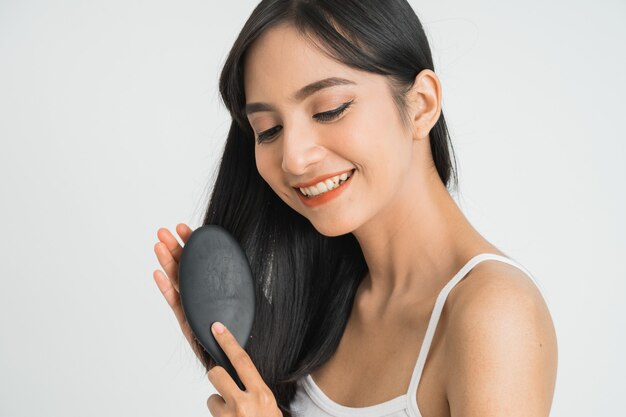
(332,114)
(322,117)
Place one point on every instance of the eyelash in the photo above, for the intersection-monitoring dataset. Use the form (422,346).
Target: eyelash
(323,117)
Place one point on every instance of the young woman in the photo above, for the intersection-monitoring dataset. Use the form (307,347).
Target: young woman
(376,295)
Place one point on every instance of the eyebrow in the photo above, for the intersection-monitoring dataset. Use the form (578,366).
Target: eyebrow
(299,95)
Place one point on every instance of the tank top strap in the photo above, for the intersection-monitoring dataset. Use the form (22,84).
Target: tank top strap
(436,313)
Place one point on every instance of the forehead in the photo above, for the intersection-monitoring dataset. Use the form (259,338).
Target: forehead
(282,60)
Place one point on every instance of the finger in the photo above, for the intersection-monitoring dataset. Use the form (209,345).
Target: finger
(170,242)
(173,299)
(224,384)
(216,405)
(183,231)
(239,358)
(168,263)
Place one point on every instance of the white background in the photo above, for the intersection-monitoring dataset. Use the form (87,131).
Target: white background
(111,127)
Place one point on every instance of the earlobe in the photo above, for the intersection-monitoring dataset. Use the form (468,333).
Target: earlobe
(425,99)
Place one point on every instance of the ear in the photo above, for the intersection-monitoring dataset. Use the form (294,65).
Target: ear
(424,100)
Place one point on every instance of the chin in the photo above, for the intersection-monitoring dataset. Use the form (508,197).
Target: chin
(326,228)
(332,230)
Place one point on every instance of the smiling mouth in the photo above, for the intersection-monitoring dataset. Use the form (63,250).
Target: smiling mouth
(325,186)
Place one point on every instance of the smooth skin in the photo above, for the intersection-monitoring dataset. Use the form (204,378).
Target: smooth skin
(494,352)
(168,252)
(257,399)
(480,348)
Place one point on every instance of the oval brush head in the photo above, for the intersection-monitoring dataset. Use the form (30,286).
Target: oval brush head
(216,284)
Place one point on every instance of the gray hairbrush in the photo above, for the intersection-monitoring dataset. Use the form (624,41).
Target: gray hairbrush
(216,284)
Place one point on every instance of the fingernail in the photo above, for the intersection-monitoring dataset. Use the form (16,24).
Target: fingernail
(218,327)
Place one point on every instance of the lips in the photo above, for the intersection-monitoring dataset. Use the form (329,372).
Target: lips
(320,178)
(325,197)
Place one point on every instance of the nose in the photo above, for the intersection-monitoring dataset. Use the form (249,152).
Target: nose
(300,150)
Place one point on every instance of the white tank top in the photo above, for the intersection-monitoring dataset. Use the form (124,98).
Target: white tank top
(310,400)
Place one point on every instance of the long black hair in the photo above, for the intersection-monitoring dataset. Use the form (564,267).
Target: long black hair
(305,281)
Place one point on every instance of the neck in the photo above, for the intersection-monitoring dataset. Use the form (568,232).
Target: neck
(417,242)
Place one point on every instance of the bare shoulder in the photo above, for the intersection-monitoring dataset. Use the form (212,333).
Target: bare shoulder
(501,346)
(492,283)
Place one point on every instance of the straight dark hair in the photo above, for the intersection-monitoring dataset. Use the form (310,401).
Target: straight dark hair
(306,282)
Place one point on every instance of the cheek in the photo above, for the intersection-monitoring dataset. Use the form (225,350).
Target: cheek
(264,165)
(366,138)
(375,142)
(269,168)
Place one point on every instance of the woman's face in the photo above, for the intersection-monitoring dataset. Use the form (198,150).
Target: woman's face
(307,137)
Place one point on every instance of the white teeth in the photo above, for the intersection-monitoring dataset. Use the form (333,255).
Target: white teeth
(326,185)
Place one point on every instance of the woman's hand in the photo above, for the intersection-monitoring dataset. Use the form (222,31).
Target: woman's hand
(168,252)
(256,401)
